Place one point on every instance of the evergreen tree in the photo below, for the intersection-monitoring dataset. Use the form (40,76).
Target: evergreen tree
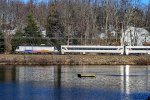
(54,27)
(31,29)
(32,33)
(18,39)
(1,42)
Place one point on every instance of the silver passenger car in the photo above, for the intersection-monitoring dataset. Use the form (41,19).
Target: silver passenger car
(91,49)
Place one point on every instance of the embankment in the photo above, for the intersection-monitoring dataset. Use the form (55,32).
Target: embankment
(30,59)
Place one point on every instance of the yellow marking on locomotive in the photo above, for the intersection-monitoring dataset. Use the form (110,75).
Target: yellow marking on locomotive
(44,50)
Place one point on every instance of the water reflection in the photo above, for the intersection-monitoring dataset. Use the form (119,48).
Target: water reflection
(7,75)
(61,82)
(35,73)
(57,79)
(57,83)
(124,70)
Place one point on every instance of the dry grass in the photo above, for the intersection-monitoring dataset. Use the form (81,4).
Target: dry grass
(74,59)
(143,60)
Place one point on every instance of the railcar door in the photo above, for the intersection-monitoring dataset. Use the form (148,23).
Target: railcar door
(124,50)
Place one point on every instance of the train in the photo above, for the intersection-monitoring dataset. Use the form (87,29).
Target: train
(85,49)
(36,49)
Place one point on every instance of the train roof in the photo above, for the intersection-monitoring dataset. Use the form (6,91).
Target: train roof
(38,46)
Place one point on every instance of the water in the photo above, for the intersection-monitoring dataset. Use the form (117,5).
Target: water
(61,83)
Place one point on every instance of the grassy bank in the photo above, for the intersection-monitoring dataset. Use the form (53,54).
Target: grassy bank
(74,59)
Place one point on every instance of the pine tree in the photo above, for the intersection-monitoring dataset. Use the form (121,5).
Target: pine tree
(54,27)
(32,33)
(1,42)
(18,39)
(31,29)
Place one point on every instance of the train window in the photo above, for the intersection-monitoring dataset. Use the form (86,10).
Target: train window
(77,48)
(80,49)
(88,48)
(64,48)
(69,48)
(140,49)
(104,48)
(134,49)
(73,48)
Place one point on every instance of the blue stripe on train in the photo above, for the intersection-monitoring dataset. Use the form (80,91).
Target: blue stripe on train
(28,51)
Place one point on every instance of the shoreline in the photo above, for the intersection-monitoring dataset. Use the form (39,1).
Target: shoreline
(32,59)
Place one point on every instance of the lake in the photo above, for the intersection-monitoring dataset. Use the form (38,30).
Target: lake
(113,82)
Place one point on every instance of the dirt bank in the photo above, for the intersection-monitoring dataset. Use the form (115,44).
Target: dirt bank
(74,59)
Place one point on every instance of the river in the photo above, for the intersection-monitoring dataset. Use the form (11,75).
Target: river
(113,82)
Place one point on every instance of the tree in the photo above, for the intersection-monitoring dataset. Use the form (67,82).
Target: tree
(1,42)
(31,29)
(32,34)
(18,39)
(54,27)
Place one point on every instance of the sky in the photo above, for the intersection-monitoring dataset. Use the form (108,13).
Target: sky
(145,1)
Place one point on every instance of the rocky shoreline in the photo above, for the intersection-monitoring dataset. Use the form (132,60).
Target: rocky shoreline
(31,59)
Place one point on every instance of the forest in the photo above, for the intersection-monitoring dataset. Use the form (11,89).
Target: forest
(72,22)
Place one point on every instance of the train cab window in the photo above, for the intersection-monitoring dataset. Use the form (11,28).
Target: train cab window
(17,47)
